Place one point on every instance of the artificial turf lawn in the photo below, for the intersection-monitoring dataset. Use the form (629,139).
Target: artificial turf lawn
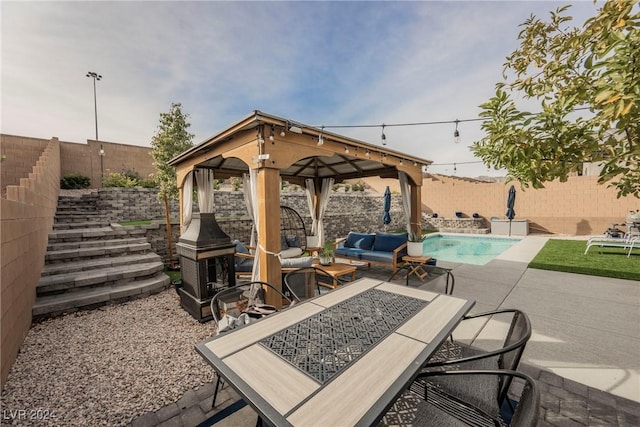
(138,222)
(568,256)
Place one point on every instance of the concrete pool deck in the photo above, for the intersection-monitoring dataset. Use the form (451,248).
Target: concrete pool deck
(585,328)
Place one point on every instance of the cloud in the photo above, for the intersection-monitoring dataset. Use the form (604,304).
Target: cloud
(315,62)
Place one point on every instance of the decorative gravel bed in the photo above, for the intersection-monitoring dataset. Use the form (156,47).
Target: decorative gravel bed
(106,366)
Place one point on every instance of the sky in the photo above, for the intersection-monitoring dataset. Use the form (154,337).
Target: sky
(317,63)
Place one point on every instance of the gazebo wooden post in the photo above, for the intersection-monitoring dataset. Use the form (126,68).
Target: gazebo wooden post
(268,193)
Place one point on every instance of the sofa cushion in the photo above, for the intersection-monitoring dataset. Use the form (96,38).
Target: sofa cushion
(242,261)
(283,242)
(378,256)
(240,247)
(293,241)
(349,252)
(301,262)
(388,242)
(359,240)
(290,253)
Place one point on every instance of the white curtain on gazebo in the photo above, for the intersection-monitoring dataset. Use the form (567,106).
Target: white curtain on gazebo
(187,201)
(204,179)
(248,200)
(405,190)
(311,191)
(253,180)
(317,228)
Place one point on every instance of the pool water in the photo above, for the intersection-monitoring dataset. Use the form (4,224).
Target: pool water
(465,249)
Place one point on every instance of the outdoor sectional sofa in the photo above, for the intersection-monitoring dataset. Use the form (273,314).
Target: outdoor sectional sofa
(385,249)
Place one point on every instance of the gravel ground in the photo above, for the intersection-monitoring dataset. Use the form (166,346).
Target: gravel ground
(106,366)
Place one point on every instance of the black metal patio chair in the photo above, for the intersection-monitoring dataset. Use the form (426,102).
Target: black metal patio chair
(455,355)
(427,404)
(238,305)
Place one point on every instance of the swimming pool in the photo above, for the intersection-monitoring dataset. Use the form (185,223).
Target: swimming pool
(465,249)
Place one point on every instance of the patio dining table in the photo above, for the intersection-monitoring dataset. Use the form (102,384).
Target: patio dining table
(340,359)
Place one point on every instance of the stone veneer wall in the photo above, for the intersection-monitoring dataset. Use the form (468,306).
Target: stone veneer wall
(26,214)
(345,212)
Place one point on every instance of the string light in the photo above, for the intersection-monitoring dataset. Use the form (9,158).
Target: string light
(346,150)
(272,137)
(320,137)
(383,136)
(456,133)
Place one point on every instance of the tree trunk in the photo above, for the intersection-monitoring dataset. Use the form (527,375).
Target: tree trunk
(167,218)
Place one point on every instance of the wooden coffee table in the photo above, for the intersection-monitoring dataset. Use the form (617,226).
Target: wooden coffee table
(335,270)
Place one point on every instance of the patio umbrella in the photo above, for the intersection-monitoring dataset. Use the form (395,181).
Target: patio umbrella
(386,217)
(511,201)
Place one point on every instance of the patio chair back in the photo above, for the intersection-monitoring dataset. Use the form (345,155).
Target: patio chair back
(506,357)
(427,404)
(242,302)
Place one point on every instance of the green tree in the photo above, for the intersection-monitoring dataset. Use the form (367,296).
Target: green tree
(586,84)
(171,139)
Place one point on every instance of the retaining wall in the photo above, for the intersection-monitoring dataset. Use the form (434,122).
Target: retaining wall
(26,218)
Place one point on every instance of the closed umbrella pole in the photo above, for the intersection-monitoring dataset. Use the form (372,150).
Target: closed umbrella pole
(386,216)
(511,201)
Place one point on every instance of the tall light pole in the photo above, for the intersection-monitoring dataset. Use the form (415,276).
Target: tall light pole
(95,77)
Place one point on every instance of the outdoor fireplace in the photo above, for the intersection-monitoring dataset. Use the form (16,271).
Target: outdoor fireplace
(206,259)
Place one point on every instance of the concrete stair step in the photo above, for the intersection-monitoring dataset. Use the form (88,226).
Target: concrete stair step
(70,207)
(85,224)
(95,243)
(82,255)
(109,276)
(101,233)
(51,305)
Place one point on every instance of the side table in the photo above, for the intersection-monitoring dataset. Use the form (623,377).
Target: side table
(418,265)
(415,265)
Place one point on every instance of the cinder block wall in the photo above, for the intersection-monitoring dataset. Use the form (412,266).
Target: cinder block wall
(21,154)
(579,206)
(26,218)
(84,158)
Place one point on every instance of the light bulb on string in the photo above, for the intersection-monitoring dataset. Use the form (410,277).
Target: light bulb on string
(383,136)
(271,136)
(456,133)
(320,137)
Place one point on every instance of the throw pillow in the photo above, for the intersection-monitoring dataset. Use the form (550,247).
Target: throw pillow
(359,241)
(297,262)
(388,242)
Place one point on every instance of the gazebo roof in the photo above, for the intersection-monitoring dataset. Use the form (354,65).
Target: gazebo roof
(337,156)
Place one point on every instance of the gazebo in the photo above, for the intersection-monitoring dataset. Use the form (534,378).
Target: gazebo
(269,148)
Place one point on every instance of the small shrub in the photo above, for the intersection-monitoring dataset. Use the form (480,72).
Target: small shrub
(75,181)
(130,173)
(358,186)
(116,179)
(148,183)
(217,183)
(236,183)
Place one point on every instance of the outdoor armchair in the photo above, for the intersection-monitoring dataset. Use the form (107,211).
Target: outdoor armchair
(455,355)
(425,404)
